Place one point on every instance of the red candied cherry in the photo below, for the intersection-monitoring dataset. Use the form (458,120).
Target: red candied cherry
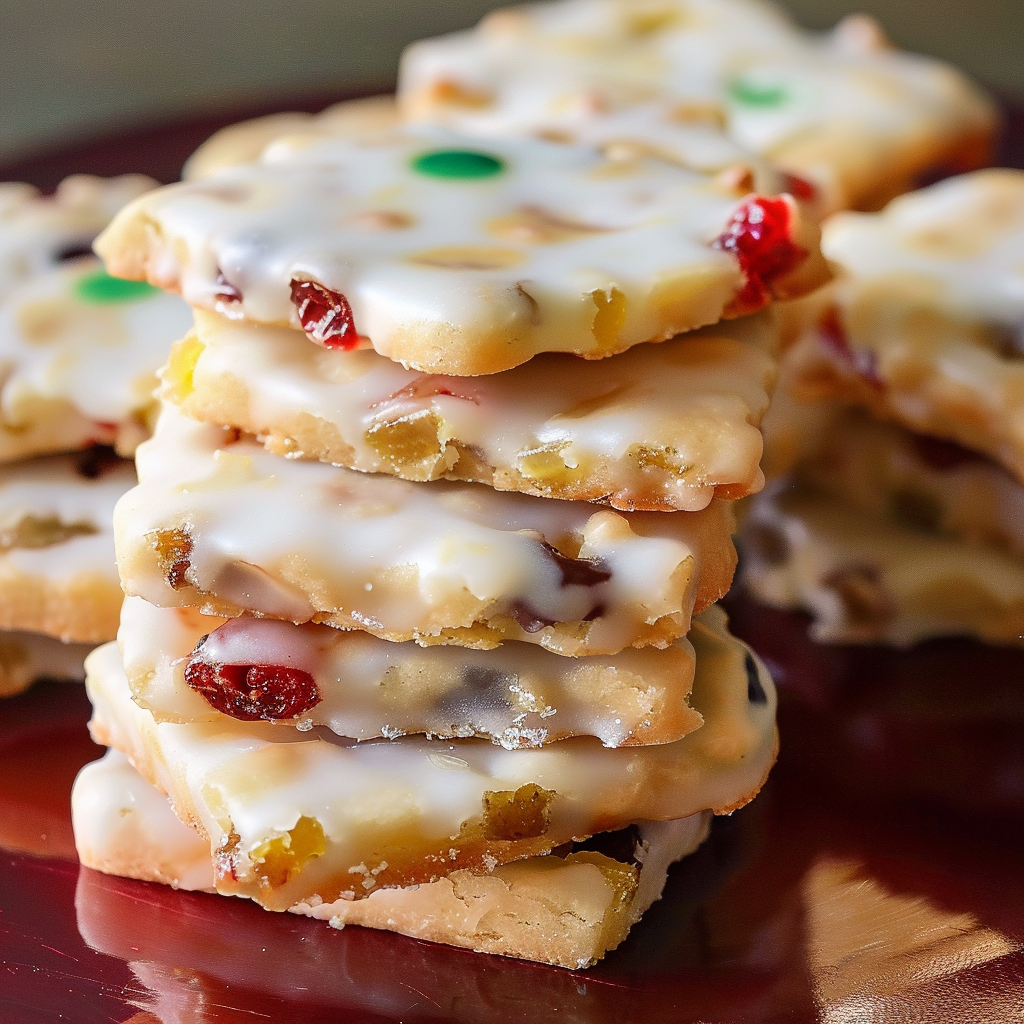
(252,693)
(326,316)
(759,234)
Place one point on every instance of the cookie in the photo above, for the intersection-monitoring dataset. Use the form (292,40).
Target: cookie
(658,428)
(79,351)
(567,909)
(292,817)
(57,572)
(852,120)
(187,667)
(867,579)
(26,658)
(924,323)
(460,258)
(38,232)
(243,143)
(221,524)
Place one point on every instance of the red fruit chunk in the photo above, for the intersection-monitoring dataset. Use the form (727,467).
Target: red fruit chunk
(252,693)
(833,337)
(226,291)
(326,316)
(759,235)
(799,188)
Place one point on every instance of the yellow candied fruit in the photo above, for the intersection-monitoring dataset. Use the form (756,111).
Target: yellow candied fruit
(41,532)
(543,464)
(468,257)
(610,316)
(173,550)
(646,20)
(524,813)
(278,859)
(179,374)
(666,458)
(458,95)
(407,441)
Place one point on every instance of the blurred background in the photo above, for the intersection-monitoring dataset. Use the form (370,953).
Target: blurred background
(72,71)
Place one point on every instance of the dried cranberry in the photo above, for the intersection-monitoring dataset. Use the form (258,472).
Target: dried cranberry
(326,316)
(427,385)
(226,291)
(833,336)
(943,455)
(799,188)
(253,692)
(759,235)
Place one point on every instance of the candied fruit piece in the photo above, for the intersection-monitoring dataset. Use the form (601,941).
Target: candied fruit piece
(179,374)
(942,454)
(252,693)
(94,462)
(457,164)
(41,532)
(544,464)
(100,289)
(750,92)
(173,551)
(524,813)
(834,338)
(408,440)
(326,316)
(759,235)
(610,316)
(578,572)
(279,859)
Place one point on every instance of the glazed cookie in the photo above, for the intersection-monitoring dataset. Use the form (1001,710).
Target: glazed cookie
(293,817)
(925,323)
(567,909)
(460,259)
(851,119)
(187,667)
(244,142)
(868,579)
(38,233)
(57,573)
(26,658)
(660,427)
(221,524)
(79,351)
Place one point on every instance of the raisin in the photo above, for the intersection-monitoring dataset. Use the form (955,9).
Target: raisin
(759,235)
(326,316)
(578,572)
(253,693)
(173,552)
(529,620)
(938,453)
(95,461)
(755,688)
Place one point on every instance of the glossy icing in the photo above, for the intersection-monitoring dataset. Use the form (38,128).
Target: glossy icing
(219,523)
(566,910)
(292,816)
(79,353)
(563,250)
(518,695)
(658,427)
(703,82)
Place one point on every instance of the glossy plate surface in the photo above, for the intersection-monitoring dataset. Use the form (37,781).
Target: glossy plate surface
(878,878)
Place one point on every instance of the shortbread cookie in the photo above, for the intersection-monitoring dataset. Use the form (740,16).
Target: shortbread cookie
(567,909)
(38,233)
(296,817)
(866,579)
(26,658)
(854,120)
(187,667)
(244,142)
(925,326)
(660,427)
(219,523)
(79,351)
(57,571)
(924,483)
(458,259)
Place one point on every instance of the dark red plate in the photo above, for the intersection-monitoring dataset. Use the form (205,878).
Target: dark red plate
(878,878)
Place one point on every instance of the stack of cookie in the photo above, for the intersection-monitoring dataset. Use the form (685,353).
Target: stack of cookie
(79,352)
(424,552)
(900,440)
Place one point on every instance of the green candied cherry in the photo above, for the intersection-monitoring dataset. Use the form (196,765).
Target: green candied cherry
(99,288)
(457,164)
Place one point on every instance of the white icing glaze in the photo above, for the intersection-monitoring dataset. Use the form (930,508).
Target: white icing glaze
(410,810)
(518,695)
(694,402)
(554,910)
(463,563)
(563,250)
(53,488)
(866,579)
(36,230)
(74,372)
(695,77)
